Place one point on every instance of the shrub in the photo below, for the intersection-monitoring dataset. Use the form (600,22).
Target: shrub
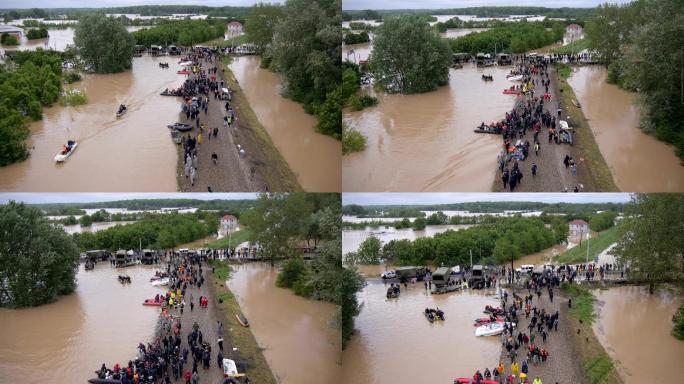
(291,271)
(7,39)
(352,140)
(73,97)
(678,320)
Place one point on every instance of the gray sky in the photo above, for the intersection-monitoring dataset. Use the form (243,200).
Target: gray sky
(42,198)
(437,4)
(449,198)
(4,4)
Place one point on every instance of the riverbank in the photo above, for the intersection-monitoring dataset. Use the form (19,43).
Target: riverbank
(593,173)
(259,168)
(248,352)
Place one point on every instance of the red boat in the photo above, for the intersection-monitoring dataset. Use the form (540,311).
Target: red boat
(511,91)
(465,380)
(486,320)
(183,72)
(492,310)
(152,302)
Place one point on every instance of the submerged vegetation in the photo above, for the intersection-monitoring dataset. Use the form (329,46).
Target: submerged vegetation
(38,260)
(73,97)
(180,32)
(516,37)
(352,140)
(103,44)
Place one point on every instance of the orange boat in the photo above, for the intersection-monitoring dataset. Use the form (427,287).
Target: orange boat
(152,302)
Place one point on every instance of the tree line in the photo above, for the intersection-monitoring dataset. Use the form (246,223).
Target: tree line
(33,80)
(147,204)
(480,206)
(180,32)
(500,11)
(641,43)
(513,37)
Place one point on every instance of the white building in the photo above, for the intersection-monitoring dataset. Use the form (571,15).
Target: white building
(573,32)
(235,28)
(578,229)
(228,224)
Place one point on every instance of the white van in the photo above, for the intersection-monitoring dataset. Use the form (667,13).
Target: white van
(525,268)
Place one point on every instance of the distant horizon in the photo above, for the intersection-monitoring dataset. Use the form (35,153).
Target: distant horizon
(88,4)
(422,5)
(96,197)
(433,198)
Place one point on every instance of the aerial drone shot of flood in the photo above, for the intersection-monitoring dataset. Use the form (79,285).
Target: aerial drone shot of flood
(500,97)
(117,288)
(169,98)
(493,288)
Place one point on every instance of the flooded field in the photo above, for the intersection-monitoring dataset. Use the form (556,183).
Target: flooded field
(352,238)
(132,153)
(95,227)
(396,344)
(635,327)
(639,162)
(294,332)
(425,142)
(57,39)
(64,342)
(313,157)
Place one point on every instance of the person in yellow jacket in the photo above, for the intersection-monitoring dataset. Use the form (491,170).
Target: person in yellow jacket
(523,377)
(515,368)
(537,380)
(199,138)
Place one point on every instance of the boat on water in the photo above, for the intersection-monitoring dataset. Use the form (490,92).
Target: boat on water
(487,129)
(66,151)
(152,302)
(182,127)
(184,72)
(122,111)
(515,78)
(487,320)
(187,63)
(513,91)
(465,380)
(161,282)
(242,320)
(491,329)
(496,311)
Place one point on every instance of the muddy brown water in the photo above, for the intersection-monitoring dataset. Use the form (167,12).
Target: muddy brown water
(299,343)
(66,341)
(635,327)
(57,39)
(131,153)
(639,162)
(425,142)
(395,343)
(352,239)
(313,157)
(95,227)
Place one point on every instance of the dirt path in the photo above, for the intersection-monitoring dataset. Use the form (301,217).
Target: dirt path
(563,365)
(249,171)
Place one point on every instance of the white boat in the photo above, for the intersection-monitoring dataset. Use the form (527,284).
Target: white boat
(160,282)
(515,78)
(491,329)
(230,369)
(185,63)
(66,151)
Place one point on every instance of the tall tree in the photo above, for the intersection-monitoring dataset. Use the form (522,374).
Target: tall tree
(104,44)
(261,22)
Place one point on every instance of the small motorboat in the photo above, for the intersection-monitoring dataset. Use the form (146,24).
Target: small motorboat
(166,92)
(66,151)
(487,129)
(122,111)
(512,91)
(434,314)
(161,282)
(515,78)
(242,320)
(230,369)
(182,127)
(152,302)
(491,329)
(492,310)
(184,72)
(124,279)
(159,275)
(487,320)
(487,77)
(465,380)
(185,63)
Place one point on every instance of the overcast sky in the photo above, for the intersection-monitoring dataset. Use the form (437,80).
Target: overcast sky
(447,198)
(4,4)
(42,198)
(437,4)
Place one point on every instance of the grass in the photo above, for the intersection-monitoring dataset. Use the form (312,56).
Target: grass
(582,302)
(593,169)
(238,237)
(575,47)
(596,245)
(276,173)
(251,356)
(73,97)
(598,368)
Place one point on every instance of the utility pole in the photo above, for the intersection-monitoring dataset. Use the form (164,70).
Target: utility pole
(587,248)
(471,259)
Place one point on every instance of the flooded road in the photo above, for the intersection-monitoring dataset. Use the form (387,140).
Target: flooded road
(425,142)
(395,344)
(634,327)
(639,162)
(64,342)
(95,227)
(352,238)
(294,331)
(132,153)
(313,157)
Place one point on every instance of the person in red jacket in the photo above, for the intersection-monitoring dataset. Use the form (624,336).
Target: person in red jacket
(188,377)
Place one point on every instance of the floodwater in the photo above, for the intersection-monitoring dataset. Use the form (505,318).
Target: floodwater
(635,327)
(352,238)
(95,227)
(542,257)
(132,153)
(425,142)
(57,39)
(454,33)
(639,162)
(394,343)
(313,157)
(294,332)
(64,342)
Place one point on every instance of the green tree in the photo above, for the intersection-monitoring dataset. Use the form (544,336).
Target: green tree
(85,221)
(437,218)
(38,260)
(351,283)
(419,223)
(653,243)
(505,252)
(408,56)
(104,44)
(602,221)
(261,22)
(369,252)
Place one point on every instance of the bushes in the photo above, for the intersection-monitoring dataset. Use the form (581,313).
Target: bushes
(352,140)
(290,273)
(364,101)
(678,320)
(39,33)
(582,302)
(71,77)
(180,32)
(602,221)
(73,97)
(7,39)
(356,38)
(511,37)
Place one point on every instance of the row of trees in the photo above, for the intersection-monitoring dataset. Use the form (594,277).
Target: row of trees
(641,42)
(602,221)
(504,240)
(37,33)
(33,81)
(480,206)
(515,37)
(181,32)
(38,260)
(161,231)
